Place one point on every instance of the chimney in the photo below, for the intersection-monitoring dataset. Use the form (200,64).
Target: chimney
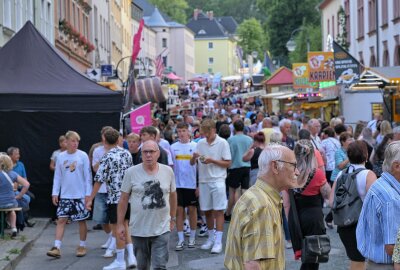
(210,15)
(196,14)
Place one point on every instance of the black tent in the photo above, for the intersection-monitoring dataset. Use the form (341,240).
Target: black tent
(41,97)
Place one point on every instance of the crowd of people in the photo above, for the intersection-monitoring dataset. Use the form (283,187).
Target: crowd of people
(239,165)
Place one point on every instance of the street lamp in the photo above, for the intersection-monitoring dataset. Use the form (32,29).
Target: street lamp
(291,44)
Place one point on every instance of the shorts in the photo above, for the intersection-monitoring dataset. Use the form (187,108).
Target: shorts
(238,177)
(13,204)
(73,209)
(100,210)
(186,197)
(212,196)
(348,237)
(112,210)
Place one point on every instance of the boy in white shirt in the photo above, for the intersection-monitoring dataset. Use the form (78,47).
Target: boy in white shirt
(72,186)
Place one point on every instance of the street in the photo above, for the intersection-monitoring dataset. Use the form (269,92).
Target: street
(195,259)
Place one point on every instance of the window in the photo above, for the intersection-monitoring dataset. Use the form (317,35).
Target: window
(78,15)
(165,61)
(29,10)
(396,9)
(384,11)
(18,14)
(360,18)
(347,15)
(164,43)
(7,11)
(96,24)
(329,27)
(386,58)
(376,108)
(211,60)
(101,31)
(68,9)
(361,57)
(73,15)
(397,55)
(333,26)
(372,15)
(210,45)
(372,61)
(210,70)
(61,10)
(202,32)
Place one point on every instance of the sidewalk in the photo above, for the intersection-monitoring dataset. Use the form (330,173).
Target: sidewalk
(13,250)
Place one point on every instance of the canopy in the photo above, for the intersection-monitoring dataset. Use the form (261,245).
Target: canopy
(35,77)
(173,77)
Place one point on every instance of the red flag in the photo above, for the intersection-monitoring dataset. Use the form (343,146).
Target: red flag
(159,63)
(136,41)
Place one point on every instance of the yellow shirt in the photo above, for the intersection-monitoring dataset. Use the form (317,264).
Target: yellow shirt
(255,232)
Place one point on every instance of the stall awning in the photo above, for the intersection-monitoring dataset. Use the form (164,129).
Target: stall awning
(173,77)
(290,95)
(275,94)
(318,104)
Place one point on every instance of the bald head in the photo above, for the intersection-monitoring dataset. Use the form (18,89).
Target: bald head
(150,145)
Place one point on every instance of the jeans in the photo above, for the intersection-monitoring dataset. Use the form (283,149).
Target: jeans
(152,251)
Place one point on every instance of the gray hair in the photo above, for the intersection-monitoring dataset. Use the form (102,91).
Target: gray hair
(270,153)
(275,137)
(396,130)
(275,120)
(392,154)
(284,121)
(312,121)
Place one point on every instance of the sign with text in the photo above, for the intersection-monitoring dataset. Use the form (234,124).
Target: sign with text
(300,76)
(347,68)
(321,66)
(141,117)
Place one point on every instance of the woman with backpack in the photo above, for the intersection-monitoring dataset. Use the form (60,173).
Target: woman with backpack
(357,153)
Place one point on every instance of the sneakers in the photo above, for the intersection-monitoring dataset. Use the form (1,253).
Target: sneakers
(288,244)
(80,251)
(179,246)
(132,263)
(14,232)
(108,242)
(115,265)
(109,253)
(54,252)
(329,225)
(217,248)
(192,243)
(208,244)
(203,230)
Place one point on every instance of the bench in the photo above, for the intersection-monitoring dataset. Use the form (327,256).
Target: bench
(3,218)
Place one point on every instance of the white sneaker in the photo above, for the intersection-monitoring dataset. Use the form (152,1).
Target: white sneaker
(109,253)
(288,245)
(217,248)
(179,246)
(208,244)
(105,246)
(132,263)
(115,265)
(192,243)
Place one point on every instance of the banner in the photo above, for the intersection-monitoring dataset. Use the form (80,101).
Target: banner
(141,117)
(300,76)
(321,66)
(347,68)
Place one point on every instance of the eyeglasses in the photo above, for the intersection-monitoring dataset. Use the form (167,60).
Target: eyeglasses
(146,152)
(294,164)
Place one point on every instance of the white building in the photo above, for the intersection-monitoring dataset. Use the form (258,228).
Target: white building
(15,13)
(373,36)
(101,32)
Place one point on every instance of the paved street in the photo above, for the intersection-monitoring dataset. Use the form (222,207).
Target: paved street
(183,260)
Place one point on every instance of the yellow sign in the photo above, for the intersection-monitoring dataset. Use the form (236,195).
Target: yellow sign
(321,66)
(300,76)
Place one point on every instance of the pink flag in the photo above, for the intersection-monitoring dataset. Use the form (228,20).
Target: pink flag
(136,42)
(141,117)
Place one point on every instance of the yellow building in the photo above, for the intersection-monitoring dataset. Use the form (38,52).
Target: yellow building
(215,43)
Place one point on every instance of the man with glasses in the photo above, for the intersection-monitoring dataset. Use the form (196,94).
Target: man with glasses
(255,233)
(150,188)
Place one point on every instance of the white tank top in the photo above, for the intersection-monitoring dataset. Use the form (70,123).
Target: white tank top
(361,179)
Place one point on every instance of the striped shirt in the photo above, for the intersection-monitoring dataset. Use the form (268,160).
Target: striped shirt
(379,219)
(255,232)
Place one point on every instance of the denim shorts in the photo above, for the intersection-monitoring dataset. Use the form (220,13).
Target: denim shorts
(13,204)
(152,250)
(100,210)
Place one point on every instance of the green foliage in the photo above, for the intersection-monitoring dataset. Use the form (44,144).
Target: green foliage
(284,16)
(251,36)
(341,37)
(314,35)
(14,251)
(173,8)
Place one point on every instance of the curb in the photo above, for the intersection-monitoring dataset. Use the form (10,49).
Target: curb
(24,248)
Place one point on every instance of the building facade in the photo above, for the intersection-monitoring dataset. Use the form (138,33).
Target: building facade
(15,13)
(73,32)
(101,32)
(215,43)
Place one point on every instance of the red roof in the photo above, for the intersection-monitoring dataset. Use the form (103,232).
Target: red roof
(281,77)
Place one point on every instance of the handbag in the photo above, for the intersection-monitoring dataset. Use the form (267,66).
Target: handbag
(314,248)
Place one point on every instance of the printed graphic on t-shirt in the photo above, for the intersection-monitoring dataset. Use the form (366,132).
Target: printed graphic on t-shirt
(153,197)
(70,166)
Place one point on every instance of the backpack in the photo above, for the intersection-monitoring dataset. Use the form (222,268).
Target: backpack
(347,203)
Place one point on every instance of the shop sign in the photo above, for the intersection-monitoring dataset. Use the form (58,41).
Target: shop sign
(347,68)
(321,66)
(300,77)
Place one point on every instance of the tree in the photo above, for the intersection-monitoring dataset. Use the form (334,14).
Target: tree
(314,35)
(251,36)
(173,8)
(284,16)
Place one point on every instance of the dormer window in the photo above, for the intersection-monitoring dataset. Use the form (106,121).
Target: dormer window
(202,32)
